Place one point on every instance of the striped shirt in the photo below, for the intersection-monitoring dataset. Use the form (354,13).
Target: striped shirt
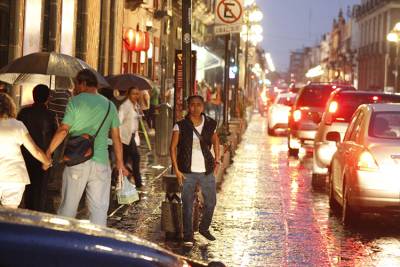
(58,102)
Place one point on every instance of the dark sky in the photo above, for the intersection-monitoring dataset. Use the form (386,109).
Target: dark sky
(292,24)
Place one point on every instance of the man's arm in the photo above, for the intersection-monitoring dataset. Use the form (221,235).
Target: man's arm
(215,143)
(58,138)
(117,145)
(173,154)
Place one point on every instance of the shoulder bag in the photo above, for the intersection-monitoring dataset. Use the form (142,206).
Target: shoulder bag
(79,149)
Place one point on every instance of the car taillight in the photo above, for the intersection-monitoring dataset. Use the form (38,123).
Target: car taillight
(375,98)
(333,107)
(366,162)
(297,115)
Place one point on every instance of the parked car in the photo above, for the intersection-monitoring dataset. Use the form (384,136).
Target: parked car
(306,113)
(278,113)
(30,238)
(339,109)
(364,174)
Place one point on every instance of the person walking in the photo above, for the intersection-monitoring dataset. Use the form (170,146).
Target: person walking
(145,105)
(194,164)
(84,114)
(154,102)
(41,124)
(13,172)
(129,115)
(216,100)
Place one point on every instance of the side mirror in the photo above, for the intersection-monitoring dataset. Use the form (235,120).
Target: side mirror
(333,136)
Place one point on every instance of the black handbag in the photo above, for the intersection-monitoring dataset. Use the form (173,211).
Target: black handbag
(79,149)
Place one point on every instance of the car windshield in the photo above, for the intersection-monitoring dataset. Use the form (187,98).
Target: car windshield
(348,103)
(385,125)
(286,100)
(315,96)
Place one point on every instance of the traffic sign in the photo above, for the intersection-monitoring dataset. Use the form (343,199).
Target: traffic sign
(227,29)
(228,12)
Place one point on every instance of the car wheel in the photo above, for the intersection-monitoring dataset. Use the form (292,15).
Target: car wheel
(332,201)
(292,151)
(318,180)
(349,215)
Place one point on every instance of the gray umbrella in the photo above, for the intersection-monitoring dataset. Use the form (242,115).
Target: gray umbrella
(42,67)
(125,81)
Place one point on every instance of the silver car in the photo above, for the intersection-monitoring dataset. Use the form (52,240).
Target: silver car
(278,113)
(339,109)
(364,174)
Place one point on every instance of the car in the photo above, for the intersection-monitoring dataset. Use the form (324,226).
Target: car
(263,101)
(364,173)
(338,111)
(306,113)
(278,113)
(29,238)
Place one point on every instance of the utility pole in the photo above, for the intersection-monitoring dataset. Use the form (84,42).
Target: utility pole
(226,83)
(187,47)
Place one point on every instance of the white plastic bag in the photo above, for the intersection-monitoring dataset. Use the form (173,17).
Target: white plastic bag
(127,192)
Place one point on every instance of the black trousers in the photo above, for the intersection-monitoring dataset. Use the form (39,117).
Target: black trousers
(35,194)
(131,155)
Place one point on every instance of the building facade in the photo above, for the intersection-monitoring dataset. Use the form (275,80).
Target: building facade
(376,56)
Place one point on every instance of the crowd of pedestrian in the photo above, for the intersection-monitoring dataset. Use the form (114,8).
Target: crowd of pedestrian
(30,138)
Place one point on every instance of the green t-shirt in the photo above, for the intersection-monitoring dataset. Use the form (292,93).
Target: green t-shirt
(84,114)
(155,94)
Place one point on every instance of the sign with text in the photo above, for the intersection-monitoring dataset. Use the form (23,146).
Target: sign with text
(227,29)
(228,17)
(178,94)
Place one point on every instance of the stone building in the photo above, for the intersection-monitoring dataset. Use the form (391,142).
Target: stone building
(376,56)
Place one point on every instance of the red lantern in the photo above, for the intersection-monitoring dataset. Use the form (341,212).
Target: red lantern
(136,40)
(146,41)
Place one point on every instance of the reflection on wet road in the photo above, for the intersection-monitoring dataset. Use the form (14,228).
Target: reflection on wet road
(268,215)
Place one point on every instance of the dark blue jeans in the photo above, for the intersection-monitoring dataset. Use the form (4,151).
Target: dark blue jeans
(208,189)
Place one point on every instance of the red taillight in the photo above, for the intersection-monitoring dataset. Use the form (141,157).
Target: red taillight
(297,115)
(366,162)
(375,98)
(333,107)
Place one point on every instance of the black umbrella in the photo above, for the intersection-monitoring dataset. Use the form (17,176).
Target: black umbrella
(43,67)
(125,81)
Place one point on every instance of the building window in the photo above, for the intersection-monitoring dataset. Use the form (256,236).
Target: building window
(81,20)
(32,27)
(4,31)
(67,27)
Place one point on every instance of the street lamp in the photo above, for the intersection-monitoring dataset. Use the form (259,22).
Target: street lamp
(251,32)
(394,37)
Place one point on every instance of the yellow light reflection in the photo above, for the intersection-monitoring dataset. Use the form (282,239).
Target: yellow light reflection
(100,247)
(59,221)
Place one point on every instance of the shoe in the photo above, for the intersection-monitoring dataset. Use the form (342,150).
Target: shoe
(207,235)
(188,242)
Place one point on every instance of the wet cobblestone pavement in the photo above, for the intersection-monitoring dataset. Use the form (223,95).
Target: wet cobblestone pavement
(268,215)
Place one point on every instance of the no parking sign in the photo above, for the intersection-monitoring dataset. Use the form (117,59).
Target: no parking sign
(228,17)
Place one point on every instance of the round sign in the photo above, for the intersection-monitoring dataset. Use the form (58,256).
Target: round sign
(186,38)
(229,11)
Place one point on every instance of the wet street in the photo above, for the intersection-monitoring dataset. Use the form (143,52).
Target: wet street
(268,215)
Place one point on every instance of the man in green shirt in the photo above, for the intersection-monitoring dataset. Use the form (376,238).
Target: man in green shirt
(84,114)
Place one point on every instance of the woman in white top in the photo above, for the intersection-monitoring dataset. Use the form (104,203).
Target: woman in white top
(13,173)
(129,115)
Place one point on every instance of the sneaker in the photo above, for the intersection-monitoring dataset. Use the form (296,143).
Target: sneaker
(188,242)
(207,235)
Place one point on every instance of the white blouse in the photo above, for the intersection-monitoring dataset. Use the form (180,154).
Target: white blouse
(129,115)
(12,164)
